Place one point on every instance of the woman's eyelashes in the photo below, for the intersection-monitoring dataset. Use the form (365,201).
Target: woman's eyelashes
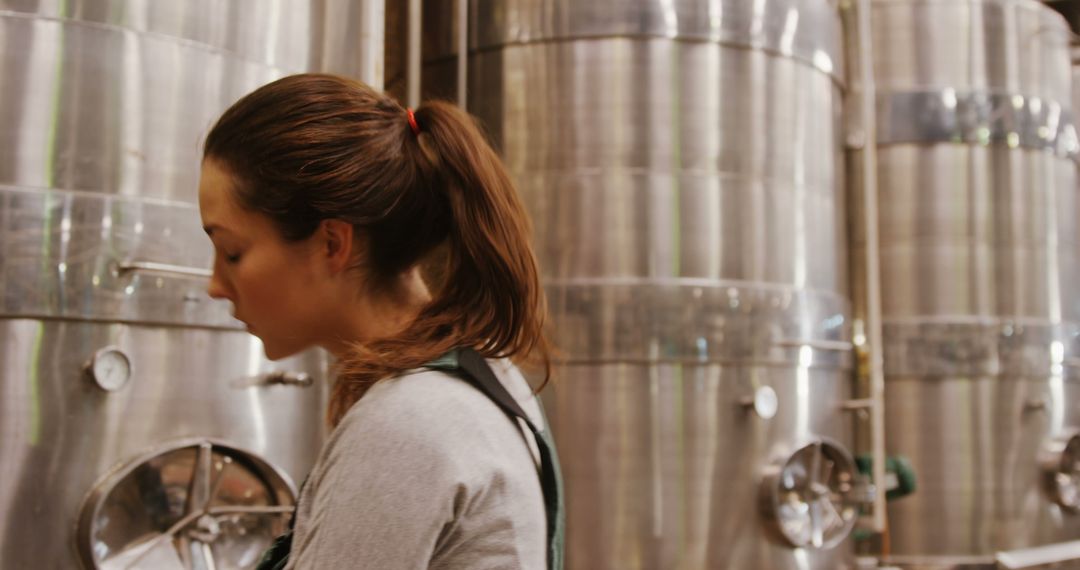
(229,258)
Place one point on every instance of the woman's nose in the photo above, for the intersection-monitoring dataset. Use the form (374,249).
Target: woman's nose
(217,288)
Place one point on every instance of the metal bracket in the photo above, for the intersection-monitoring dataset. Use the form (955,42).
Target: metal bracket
(286,378)
(124,268)
(831,345)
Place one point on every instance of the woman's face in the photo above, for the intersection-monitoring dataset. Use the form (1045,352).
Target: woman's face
(274,285)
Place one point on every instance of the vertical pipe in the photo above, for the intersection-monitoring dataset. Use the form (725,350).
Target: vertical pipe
(462,51)
(412,62)
(867,100)
(373,31)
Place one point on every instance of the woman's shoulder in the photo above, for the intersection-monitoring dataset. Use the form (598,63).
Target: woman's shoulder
(419,391)
(429,421)
(424,450)
(429,405)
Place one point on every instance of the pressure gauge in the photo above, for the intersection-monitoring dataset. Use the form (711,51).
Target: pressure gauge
(109,368)
(764,403)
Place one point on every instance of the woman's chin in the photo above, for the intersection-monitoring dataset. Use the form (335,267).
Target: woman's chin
(277,351)
(273,353)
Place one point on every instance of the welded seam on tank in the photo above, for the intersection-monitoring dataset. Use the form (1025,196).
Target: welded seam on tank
(977,320)
(729,181)
(30,316)
(663,170)
(996,243)
(692,361)
(159,36)
(804,60)
(1036,7)
(100,195)
(703,282)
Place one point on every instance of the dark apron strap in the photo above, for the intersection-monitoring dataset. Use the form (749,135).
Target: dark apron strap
(277,556)
(479,374)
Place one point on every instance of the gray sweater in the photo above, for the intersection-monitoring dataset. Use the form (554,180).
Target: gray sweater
(426,472)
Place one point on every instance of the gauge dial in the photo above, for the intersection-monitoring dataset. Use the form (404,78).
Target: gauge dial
(110,368)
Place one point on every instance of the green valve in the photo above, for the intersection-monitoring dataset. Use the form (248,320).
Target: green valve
(899,475)
(899,481)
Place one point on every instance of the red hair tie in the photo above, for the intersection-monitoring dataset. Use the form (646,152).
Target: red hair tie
(413,123)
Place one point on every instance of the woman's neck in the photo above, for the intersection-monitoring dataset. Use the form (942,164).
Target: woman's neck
(373,316)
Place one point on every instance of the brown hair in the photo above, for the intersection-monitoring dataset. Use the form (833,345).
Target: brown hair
(311,147)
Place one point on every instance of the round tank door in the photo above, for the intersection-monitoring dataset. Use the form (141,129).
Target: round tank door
(1060,462)
(811,498)
(192,504)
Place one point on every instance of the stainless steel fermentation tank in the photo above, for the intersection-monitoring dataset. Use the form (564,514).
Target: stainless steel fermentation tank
(682,162)
(979,257)
(132,407)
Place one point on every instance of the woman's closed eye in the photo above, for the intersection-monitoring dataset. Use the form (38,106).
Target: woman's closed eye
(228,257)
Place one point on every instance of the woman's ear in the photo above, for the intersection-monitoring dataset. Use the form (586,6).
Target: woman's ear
(337,244)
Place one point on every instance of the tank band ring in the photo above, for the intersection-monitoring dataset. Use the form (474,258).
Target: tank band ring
(976,118)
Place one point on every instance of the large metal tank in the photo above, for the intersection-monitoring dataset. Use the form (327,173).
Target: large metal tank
(979,257)
(681,162)
(137,418)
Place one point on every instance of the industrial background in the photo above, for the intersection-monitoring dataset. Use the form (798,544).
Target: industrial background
(813,268)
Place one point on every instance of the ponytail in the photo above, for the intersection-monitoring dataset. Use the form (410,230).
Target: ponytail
(488,294)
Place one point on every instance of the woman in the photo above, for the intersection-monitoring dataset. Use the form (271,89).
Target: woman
(396,241)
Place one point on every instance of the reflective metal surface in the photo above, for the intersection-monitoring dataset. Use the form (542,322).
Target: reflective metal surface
(974,444)
(115,97)
(959,347)
(62,252)
(103,111)
(692,319)
(193,504)
(810,496)
(285,37)
(1060,555)
(670,471)
(681,162)
(1074,56)
(976,118)
(979,251)
(789,28)
(1060,462)
(1014,47)
(61,433)
(974,232)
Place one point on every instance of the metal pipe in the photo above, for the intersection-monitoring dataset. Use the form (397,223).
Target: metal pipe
(1048,556)
(126,267)
(831,345)
(286,378)
(374,27)
(412,58)
(462,51)
(125,320)
(873,332)
(858,404)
